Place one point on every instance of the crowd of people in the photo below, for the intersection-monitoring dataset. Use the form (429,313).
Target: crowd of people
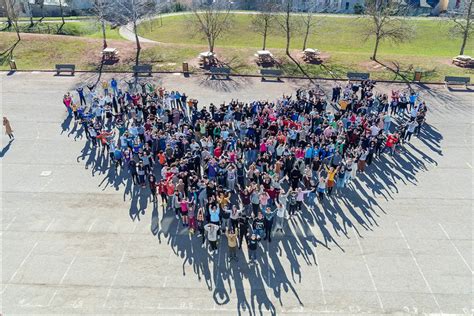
(238,172)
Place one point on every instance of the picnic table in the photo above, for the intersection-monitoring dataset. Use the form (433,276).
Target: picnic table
(311,54)
(463,61)
(207,58)
(264,56)
(110,53)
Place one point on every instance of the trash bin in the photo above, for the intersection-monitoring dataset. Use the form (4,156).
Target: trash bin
(418,75)
(12,64)
(185,68)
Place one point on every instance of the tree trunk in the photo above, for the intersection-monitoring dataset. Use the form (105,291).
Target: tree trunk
(137,40)
(104,37)
(463,45)
(210,43)
(467,29)
(265,36)
(288,39)
(306,37)
(62,16)
(288,35)
(376,48)
(42,15)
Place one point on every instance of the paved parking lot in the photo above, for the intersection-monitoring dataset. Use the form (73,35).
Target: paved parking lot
(400,241)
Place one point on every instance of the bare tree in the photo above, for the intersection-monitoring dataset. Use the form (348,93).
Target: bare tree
(309,22)
(41,5)
(29,9)
(289,25)
(29,12)
(4,4)
(101,8)
(12,12)
(212,20)
(264,19)
(61,10)
(463,23)
(131,12)
(386,21)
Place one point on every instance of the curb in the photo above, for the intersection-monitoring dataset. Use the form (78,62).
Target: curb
(231,75)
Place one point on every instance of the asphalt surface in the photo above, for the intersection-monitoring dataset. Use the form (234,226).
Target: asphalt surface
(76,239)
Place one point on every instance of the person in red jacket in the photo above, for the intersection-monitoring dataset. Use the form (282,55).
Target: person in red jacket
(391,142)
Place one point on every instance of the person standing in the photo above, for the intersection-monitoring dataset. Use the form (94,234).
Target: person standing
(114,85)
(321,189)
(8,128)
(152,184)
(212,230)
(132,167)
(67,101)
(280,217)
(410,130)
(243,227)
(268,223)
(200,224)
(232,243)
(252,244)
(82,98)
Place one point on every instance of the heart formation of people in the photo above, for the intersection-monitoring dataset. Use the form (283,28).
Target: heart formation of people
(240,172)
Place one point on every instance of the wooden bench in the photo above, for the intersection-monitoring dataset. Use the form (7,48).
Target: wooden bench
(219,71)
(142,69)
(65,68)
(358,76)
(275,73)
(451,80)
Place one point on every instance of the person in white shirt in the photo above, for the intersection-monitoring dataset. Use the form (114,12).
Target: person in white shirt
(410,130)
(374,130)
(281,216)
(212,230)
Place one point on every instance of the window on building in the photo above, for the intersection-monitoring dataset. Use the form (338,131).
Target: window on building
(347,5)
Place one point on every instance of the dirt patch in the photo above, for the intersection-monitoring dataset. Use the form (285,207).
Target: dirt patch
(373,66)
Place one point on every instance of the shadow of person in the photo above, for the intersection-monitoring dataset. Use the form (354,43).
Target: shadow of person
(6,148)
(66,123)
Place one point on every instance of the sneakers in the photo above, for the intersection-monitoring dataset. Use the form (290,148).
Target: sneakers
(177,217)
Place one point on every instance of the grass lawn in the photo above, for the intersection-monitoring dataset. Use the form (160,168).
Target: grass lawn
(335,34)
(42,52)
(344,49)
(52,18)
(89,28)
(430,50)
